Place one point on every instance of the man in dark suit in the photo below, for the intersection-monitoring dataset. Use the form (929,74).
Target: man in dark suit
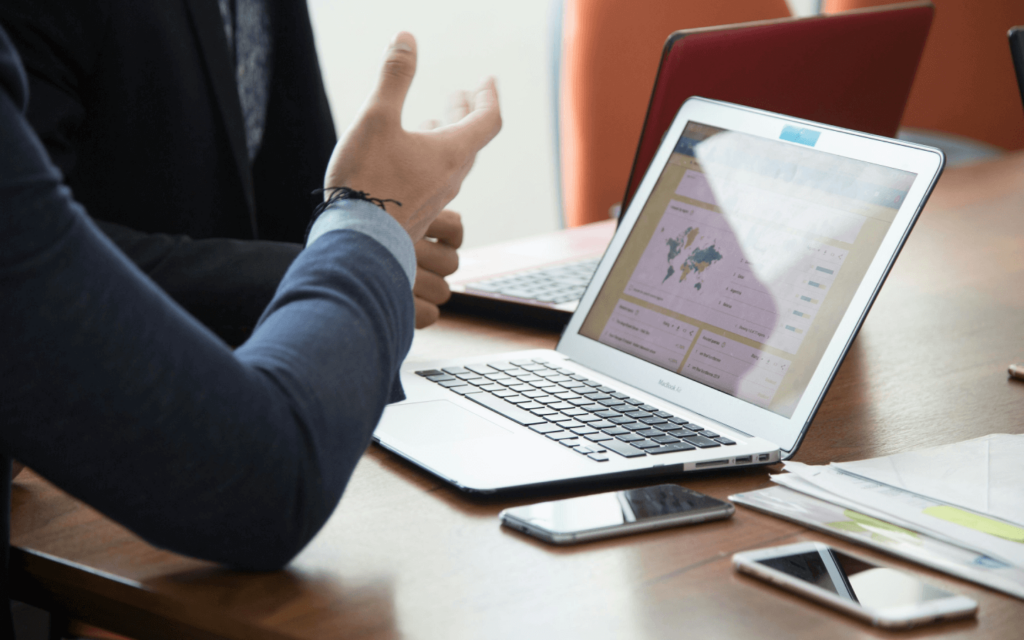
(117,396)
(194,132)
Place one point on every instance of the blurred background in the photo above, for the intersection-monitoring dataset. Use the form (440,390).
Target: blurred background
(512,191)
(964,98)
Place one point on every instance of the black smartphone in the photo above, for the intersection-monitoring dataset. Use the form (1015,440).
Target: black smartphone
(616,513)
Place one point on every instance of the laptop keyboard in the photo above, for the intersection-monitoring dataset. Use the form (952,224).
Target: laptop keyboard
(574,411)
(553,285)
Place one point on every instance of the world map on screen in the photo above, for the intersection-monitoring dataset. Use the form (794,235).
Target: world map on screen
(696,262)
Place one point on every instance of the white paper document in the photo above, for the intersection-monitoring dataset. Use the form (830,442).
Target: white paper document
(913,511)
(984,475)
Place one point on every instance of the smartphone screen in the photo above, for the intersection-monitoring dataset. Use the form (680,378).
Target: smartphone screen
(662,500)
(855,580)
(606,510)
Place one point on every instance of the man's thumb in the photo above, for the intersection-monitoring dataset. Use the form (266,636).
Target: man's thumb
(397,73)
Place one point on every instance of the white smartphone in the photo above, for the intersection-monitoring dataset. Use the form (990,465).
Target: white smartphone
(882,596)
(617,513)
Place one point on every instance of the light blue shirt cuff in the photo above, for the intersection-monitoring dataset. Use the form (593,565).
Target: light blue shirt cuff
(369,219)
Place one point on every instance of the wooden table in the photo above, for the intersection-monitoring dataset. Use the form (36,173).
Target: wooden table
(407,556)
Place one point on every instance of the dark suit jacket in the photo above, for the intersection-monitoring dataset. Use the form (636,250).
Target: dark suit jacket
(137,104)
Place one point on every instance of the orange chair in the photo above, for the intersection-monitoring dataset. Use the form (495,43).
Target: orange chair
(610,55)
(965,84)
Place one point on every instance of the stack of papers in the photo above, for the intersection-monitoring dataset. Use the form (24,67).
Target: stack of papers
(957,508)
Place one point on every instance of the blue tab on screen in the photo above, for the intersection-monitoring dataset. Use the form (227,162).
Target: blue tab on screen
(808,137)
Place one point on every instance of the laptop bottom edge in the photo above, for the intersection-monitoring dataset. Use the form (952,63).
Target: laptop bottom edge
(667,472)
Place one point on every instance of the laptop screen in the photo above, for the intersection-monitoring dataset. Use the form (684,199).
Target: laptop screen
(744,259)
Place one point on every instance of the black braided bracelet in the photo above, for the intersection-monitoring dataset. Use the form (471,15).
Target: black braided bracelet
(342,193)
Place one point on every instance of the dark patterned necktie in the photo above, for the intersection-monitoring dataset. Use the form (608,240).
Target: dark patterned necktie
(247,28)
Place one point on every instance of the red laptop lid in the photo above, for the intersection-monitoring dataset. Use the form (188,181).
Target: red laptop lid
(851,70)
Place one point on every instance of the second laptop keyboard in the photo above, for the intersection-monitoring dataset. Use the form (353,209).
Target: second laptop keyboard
(552,285)
(573,410)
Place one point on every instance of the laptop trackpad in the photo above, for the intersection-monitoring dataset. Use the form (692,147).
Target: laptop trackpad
(438,421)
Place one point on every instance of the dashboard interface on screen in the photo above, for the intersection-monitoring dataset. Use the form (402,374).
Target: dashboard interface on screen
(744,260)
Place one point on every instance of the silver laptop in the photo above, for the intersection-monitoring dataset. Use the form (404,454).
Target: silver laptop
(714,323)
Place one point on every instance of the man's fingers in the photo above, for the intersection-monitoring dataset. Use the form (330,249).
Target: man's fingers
(431,287)
(482,123)
(437,257)
(396,74)
(486,95)
(458,107)
(447,229)
(430,125)
(426,313)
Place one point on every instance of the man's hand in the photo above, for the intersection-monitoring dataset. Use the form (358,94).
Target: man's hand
(421,169)
(436,258)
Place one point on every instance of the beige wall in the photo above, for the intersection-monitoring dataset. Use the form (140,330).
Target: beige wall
(511,191)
